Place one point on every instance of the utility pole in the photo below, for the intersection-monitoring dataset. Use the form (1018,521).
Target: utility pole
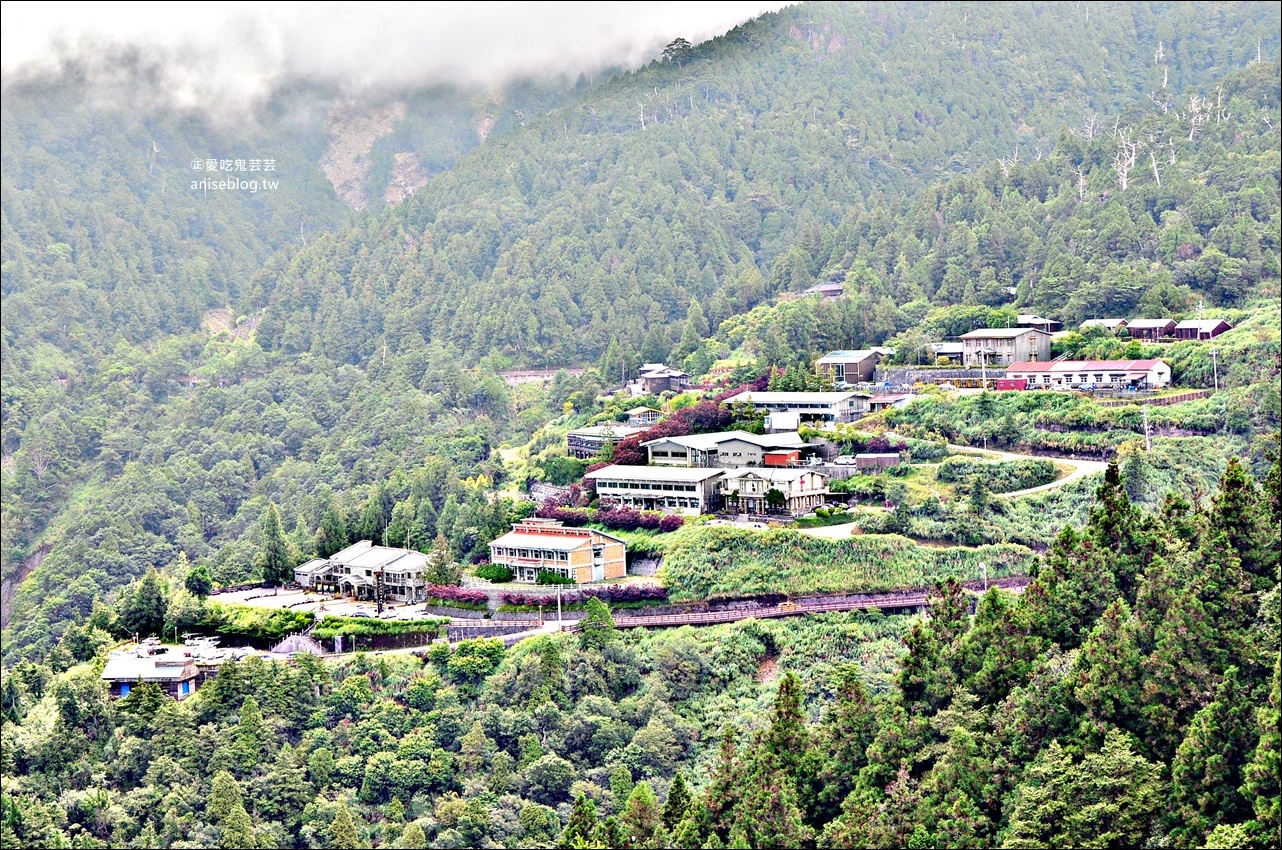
(1215,368)
(1148,437)
(559,622)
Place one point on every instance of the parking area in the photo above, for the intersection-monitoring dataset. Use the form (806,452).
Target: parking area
(321,604)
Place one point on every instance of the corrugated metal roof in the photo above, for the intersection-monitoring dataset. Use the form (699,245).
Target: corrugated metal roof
(705,442)
(795,398)
(999,333)
(1084,366)
(148,668)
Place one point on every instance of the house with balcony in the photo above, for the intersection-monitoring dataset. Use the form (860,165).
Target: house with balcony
(1003,346)
(747,489)
(362,568)
(538,545)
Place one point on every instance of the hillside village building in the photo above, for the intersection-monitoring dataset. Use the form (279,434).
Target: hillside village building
(1137,374)
(174,672)
(656,378)
(726,449)
(1003,346)
(358,570)
(1150,328)
(1201,328)
(644,416)
(803,489)
(682,490)
(536,545)
(583,443)
(809,407)
(852,367)
(1032,320)
(1113,325)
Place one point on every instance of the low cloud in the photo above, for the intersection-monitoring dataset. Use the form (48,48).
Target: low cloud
(232,56)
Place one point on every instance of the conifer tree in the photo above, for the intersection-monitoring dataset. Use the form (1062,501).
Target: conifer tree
(332,535)
(1208,766)
(582,825)
(275,562)
(677,804)
(1262,776)
(343,834)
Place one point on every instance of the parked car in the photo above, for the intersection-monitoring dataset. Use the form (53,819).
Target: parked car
(359,614)
(845,460)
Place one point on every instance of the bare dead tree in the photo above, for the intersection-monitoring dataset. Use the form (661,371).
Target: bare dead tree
(40,461)
(1081,183)
(1195,114)
(1090,125)
(1152,161)
(1221,114)
(1009,162)
(1170,147)
(1160,104)
(1124,158)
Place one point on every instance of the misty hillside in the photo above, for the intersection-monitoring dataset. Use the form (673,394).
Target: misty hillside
(694,179)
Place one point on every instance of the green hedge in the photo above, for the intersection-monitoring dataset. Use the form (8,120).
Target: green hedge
(369,627)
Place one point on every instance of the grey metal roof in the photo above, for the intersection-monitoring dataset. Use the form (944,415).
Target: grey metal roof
(999,333)
(615,472)
(706,442)
(148,668)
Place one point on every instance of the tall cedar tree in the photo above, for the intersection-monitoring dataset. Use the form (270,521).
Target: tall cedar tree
(143,613)
(275,562)
(332,534)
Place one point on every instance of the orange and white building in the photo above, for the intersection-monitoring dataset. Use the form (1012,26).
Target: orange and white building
(583,554)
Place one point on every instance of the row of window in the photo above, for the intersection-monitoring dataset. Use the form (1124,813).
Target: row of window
(635,485)
(529,554)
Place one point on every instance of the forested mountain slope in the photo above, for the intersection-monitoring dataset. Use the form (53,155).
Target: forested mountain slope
(810,144)
(698,178)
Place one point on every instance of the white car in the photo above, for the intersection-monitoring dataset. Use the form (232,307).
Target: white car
(845,460)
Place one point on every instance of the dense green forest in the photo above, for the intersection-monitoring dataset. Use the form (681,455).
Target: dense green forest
(1130,696)
(205,388)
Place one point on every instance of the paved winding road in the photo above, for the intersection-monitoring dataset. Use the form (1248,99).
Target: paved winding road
(1081,468)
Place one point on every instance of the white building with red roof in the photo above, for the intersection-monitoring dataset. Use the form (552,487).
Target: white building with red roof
(1137,374)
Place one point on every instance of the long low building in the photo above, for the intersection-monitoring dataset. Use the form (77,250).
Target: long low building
(1137,374)
(723,449)
(538,545)
(685,490)
(809,407)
